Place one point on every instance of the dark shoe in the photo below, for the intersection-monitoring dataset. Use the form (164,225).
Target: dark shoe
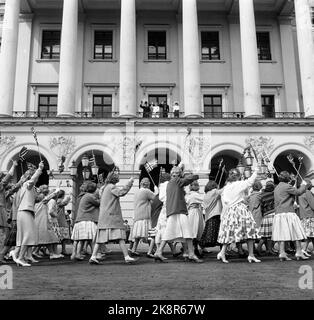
(177,254)
(195,259)
(150,255)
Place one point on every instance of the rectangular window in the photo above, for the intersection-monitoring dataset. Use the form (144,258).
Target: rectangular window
(47,105)
(263,45)
(102,106)
(50,47)
(103,44)
(156,99)
(212,106)
(268,106)
(157,45)
(210,45)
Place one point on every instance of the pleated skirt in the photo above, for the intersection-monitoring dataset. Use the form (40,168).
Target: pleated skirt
(84,230)
(178,228)
(108,235)
(27,234)
(211,231)
(196,222)
(287,227)
(266,229)
(140,229)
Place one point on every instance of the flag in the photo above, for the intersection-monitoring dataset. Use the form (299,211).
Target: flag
(22,154)
(150,165)
(92,161)
(34,135)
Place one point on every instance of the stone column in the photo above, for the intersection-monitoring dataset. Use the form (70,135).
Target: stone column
(67,73)
(128,84)
(250,67)
(191,60)
(306,53)
(8,56)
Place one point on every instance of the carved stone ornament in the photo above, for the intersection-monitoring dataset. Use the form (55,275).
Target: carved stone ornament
(261,144)
(6,143)
(309,143)
(62,146)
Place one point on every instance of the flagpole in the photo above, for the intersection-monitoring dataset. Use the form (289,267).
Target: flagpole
(150,177)
(35,137)
(222,172)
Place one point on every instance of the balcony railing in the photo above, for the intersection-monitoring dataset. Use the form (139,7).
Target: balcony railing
(169,115)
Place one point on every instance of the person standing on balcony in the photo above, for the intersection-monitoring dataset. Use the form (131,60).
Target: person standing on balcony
(146,109)
(156,110)
(165,109)
(176,109)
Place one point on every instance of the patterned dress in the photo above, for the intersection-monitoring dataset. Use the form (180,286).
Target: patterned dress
(237,222)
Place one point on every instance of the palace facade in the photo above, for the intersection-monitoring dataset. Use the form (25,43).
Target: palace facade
(241,71)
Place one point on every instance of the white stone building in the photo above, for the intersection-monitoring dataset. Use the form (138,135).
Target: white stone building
(77,70)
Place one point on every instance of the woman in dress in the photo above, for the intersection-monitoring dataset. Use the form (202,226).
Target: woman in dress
(142,213)
(287,225)
(4,226)
(110,224)
(178,228)
(85,227)
(46,235)
(162,220)
(194,200)
(237,222)
(213,208)
(268,213)
(306,203)
(63,220)
(27,235)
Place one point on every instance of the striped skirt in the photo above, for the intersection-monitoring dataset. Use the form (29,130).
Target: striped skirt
(84,230)
(266,229)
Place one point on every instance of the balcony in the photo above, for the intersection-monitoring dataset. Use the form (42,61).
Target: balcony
(158,116)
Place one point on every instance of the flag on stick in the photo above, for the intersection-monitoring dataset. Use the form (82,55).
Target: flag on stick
(150,165)
(22,154)
(36,140)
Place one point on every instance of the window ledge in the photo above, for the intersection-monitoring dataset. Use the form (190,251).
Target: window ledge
(158,61)
(47,60)
(213,61)
(267,61)
(103,60)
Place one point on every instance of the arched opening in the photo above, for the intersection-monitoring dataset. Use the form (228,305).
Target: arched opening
(282,163)
(229,159)
(166,159)
(32,157)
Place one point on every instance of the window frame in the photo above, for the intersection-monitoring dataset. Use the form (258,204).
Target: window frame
(274,106)
(47,27)
(270,45)
(212,28)
(48,105)
(155,28)
(214,115)
(209,54)
(103,27)
(102,104)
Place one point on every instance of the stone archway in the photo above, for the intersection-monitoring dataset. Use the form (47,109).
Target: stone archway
(230,160)
(165,157)
(32,157)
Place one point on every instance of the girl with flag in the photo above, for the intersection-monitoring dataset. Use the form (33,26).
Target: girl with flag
(142,213)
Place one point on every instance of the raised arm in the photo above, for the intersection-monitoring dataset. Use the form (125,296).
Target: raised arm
(33,180)
(10,174)
(120,192)
(296,192)
(188,180)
